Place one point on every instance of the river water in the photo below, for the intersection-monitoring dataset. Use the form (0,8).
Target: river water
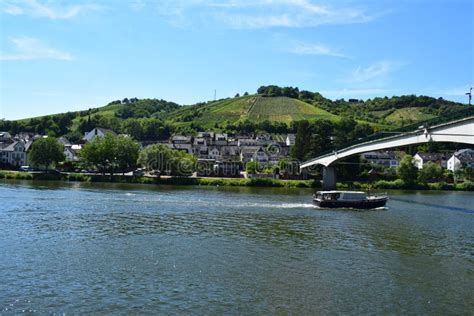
(121,249)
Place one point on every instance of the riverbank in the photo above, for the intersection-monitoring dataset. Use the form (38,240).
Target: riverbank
(400,185)
(77,177)
(254,182)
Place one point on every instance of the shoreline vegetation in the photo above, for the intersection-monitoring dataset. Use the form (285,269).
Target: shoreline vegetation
(241,182)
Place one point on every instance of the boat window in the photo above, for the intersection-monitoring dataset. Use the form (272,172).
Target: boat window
(354,196)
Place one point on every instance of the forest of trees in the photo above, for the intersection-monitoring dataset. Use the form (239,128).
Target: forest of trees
(314,138)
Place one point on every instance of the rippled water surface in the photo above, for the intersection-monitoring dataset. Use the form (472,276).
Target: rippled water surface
(121,249)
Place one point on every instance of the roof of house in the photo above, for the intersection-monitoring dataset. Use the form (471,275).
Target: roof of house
(70,150)
(433,156)
(63,140)
(4,145)
(380,155)
(249,151)
(199,139)
(106,131)
(28,145)
(205,134)
(11,146)
(246,142)
(465,155)
(181,138)
(466,151)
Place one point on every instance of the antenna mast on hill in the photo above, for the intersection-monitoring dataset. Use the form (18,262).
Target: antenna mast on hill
(215,94)
(469,94)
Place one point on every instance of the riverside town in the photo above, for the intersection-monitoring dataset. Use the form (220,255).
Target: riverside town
(259,154)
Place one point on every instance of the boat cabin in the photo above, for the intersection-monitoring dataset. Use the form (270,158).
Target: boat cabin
(341,195)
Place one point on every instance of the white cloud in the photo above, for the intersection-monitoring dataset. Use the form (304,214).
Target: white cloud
(137,5)
(45,9)
(11,9)
(27,48)
(376,71)
(314,49)
(247,14)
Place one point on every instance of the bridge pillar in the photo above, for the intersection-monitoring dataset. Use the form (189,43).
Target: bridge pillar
(329,178)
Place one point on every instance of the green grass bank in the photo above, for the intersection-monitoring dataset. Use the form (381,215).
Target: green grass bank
(255,182)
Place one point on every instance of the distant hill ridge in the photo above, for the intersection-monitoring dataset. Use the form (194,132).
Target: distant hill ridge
(277,105)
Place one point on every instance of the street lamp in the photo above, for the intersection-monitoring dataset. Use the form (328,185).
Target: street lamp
(470,95)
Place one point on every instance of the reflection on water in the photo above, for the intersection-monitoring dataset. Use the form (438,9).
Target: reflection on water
(133,249)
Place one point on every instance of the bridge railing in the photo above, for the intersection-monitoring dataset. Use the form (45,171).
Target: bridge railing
(465,113)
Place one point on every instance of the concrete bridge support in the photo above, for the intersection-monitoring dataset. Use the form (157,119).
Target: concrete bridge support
(329,178)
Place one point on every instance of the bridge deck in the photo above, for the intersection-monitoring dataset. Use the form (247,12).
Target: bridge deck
(460,130)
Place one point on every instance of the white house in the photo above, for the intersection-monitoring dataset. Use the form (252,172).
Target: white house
(70,154)
(388,159)
(439,158)
(463,158)
(260,156)
(98,132)
(290,139)
(213,153)
(200,142)
(221,138)
(257,154)
(14,153)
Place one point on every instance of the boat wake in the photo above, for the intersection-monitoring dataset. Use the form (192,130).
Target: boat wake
(279,206)
(438,206)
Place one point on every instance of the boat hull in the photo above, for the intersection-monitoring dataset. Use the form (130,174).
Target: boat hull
(365,204)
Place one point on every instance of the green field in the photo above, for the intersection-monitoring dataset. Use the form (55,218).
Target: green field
(407,116)
(283,109)
(253,108)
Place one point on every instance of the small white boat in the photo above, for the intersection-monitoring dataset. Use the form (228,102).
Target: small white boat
(349,199)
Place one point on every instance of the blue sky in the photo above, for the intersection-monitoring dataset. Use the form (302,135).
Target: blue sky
(58,56)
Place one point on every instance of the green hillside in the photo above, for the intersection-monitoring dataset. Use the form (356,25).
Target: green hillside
(253,108)
(272,109)
(407,116)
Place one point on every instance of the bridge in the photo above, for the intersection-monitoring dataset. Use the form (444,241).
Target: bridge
(457,128)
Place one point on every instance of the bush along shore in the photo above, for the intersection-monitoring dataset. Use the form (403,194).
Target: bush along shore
(78,177)
(254,182)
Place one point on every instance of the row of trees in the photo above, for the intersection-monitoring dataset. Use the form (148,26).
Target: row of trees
(431,172)
(111,154)
(56,125)
(145,108)
(313,138)
(115,154)
(276,91)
